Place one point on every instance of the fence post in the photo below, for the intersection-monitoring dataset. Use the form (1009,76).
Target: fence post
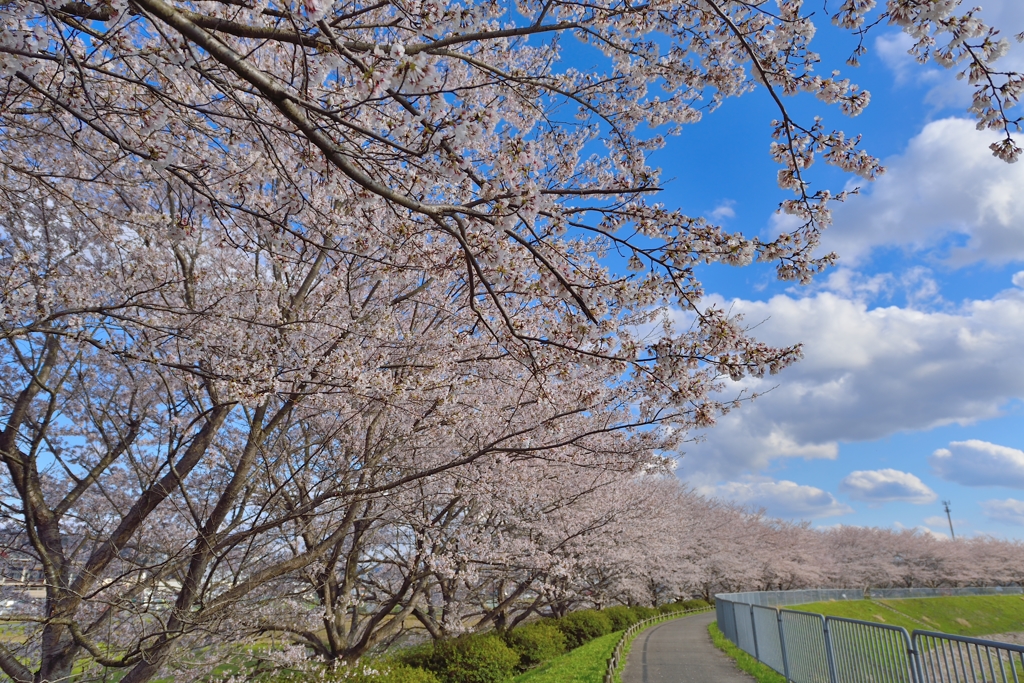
(753,631)
(829,654)
(916,672)
(782,644)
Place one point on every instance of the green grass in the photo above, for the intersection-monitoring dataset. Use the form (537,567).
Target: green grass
(586,664)
(971,615)
(12,634)
(761,672)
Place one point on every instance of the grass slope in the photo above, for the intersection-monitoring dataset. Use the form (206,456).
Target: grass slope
(973,615)
(762,672)
(586,664)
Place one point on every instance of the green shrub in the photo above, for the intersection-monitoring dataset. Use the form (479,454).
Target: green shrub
(643,612)
(377,672)
(583,626)
(408,674)
(483,658)
(621,617)
(694,604)
(417,656)
(536,643)
(669,607)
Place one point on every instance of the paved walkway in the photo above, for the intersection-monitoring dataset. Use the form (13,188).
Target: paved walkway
(680,651)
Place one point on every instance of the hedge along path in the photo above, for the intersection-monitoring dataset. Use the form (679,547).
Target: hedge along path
(611,676)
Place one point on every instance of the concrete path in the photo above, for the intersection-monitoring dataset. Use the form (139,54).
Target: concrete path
(680,651)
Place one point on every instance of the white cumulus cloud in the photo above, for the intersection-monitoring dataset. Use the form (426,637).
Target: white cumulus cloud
(884,486)
(980,463)
(946,186)
(782,498)
(1010,511)
(867,373)
(724,210)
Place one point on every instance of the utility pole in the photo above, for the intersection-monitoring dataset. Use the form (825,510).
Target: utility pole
(945,504)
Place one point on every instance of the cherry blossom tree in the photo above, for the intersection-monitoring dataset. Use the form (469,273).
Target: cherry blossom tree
(141,428)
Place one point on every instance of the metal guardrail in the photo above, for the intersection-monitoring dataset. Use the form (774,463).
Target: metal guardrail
(797,597)
(944,658)
(941,592)
(812,648)
(616,658)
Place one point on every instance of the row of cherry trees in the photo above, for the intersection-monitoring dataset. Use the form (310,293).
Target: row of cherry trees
(760,553)
(587,539)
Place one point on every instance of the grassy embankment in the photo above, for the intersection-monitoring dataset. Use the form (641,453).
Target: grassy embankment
(971,615)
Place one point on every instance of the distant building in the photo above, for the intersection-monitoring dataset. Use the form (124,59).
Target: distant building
(22,582)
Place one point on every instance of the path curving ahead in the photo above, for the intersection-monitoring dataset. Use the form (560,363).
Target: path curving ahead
(680,651)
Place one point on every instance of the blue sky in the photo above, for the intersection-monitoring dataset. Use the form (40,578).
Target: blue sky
(912,387)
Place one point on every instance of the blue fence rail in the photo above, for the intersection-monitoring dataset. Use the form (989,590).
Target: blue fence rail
(811,648)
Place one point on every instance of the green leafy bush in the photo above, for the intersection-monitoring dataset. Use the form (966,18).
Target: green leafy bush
(408,674)
(694,604)
(417,656)
(376,672)
(583,626)
(670,607)
(536,643)
(483,658)
(643,612)
(621,617)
